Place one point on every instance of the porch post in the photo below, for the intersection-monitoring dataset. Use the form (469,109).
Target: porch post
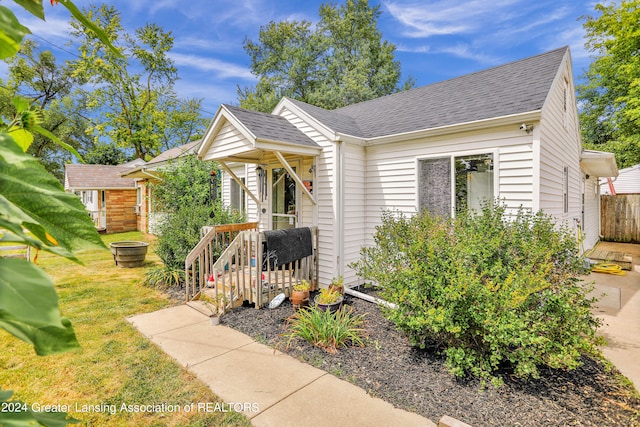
(295,177)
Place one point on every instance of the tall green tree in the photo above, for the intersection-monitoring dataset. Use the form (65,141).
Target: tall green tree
(610,96)
(342,61)
(49,86)
(105,154)
(130,92)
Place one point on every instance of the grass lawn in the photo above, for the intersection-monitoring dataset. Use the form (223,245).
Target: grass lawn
(116,364)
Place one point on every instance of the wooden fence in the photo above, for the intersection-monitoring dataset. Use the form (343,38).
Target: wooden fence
(620,218)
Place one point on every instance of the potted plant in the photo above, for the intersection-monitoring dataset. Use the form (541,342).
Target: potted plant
(213,306)
(328,299)
(300,295)
(337,284)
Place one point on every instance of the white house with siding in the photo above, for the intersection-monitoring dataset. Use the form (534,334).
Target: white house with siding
(508,132)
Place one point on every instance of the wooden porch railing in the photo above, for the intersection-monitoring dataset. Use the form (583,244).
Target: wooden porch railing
(198,265)
(240,275)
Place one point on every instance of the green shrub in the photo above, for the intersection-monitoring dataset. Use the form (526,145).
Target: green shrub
(183,194)
(325,329)
(492,290)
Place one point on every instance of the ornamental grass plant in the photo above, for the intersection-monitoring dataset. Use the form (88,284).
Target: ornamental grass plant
(325,329)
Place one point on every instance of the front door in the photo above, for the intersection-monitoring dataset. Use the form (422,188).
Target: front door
(284,199)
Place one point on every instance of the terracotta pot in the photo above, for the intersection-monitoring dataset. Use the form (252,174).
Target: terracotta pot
(299,299)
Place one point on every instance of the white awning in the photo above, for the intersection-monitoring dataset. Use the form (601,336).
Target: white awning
(598,163)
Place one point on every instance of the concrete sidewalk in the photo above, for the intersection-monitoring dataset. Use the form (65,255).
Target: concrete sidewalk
(273,388)
(619,308)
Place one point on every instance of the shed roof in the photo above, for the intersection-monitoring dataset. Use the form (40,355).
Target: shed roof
(517,87)
(96,177)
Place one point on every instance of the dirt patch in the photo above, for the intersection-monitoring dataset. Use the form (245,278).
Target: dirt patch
(388,367)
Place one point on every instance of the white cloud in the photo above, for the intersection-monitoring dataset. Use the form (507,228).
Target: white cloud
(465,51)
(222,69)
(53,27)
(460,50)
(204,43)
(444,17)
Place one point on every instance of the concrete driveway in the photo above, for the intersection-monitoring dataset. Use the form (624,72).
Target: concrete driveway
(619,307)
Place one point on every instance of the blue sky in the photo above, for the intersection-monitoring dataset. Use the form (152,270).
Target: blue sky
(435,40)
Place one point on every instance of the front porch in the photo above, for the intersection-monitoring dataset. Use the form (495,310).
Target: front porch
(233,264)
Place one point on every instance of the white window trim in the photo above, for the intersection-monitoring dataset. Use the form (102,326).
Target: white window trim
(452,155)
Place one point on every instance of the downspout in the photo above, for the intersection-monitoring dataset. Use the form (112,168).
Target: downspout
(369,298)
(612,189)
(340,205)
(597,184)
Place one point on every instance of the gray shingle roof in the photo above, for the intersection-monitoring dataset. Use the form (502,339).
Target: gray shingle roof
(97,176)
(175,152)
(270,127)
(518,87)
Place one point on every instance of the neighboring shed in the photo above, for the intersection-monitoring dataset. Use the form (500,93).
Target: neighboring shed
(144,174)
(510,132)
(109,198)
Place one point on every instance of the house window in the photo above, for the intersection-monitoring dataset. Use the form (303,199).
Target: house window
(236,195)
(139,195)
(473,181)
(87,197)
(460,182)
(565,189)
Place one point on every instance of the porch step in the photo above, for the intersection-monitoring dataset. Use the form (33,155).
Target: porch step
(200,307)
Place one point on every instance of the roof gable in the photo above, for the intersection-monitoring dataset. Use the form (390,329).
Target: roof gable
(517,87)
(244,134)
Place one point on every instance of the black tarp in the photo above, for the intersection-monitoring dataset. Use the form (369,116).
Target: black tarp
(286,245)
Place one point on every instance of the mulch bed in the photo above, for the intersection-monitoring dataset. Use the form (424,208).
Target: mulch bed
(388,367)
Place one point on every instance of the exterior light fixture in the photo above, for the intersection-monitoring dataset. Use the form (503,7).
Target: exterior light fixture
(261,173)
(213,186)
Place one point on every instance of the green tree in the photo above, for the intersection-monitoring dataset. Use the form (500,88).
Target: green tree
(183,195)
(37,76)
(343,61)
(105,154)
(610,96)
(132,107)
(179,121)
